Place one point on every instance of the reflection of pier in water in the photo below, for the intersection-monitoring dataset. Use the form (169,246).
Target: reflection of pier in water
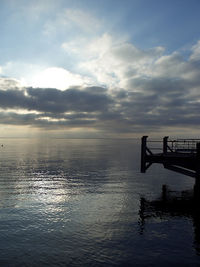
(173,204)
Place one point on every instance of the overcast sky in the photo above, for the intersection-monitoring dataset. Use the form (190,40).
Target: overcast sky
(91,68)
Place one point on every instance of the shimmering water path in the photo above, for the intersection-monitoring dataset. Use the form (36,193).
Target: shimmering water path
(79,203)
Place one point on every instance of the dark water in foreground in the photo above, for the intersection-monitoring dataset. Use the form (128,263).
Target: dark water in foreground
(85,203)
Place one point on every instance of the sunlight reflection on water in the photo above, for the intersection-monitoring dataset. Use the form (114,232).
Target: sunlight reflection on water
(78,203)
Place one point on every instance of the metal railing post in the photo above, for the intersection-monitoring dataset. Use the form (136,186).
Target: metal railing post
(165,139)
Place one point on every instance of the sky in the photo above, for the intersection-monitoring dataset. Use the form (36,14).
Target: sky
(99,69)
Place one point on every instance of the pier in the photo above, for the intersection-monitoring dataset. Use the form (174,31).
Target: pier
(181,155)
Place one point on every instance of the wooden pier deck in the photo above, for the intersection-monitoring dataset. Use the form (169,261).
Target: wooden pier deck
(181,155)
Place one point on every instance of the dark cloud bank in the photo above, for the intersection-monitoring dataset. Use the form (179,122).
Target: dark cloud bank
(152,105)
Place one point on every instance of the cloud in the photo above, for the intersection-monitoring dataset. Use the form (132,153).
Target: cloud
(42,76)
(121,111)
(22,71)
(119,64)
(81,19)
(33,10)
(195,52)
(114,60)
(159,91)
(6,83)
(59,78)
(74,21)
(75,107)
(54,100)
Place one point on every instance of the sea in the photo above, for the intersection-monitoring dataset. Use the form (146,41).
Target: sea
(84,202)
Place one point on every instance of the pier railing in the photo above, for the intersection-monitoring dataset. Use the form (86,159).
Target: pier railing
(176,146)
(185,145)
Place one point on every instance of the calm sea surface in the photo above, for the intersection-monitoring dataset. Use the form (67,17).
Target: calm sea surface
(85,203)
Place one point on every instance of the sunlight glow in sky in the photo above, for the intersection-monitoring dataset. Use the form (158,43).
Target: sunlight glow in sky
(99,68)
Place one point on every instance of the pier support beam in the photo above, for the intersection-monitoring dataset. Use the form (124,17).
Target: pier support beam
(143,153)
(197,177)
(198,160)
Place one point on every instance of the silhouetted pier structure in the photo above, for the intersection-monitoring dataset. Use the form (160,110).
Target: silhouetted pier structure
(181,155)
